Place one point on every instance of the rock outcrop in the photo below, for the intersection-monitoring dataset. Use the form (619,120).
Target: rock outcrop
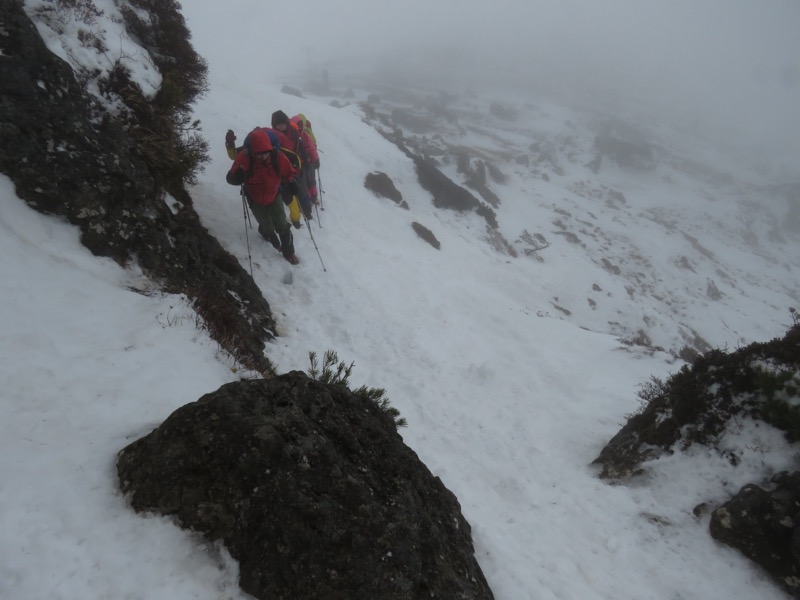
(68,156)
(311,489)
(696,406)
(426,234)
(697,403)
(763,523)
(381,185)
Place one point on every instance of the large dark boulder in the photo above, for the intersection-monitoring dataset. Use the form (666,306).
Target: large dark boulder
(311,489)
(763,523)
(68,156)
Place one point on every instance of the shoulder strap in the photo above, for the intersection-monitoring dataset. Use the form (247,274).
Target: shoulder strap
(273,138)
(293,157)
(246,146)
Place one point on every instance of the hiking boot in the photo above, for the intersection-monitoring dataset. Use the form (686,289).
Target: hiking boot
(307,212)
(297,224)
(273,239)
(292,259)
(287,243)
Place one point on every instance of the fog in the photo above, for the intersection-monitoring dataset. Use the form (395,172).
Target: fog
(729,69)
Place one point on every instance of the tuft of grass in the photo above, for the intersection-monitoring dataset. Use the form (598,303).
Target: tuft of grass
(650,391)
(332,370)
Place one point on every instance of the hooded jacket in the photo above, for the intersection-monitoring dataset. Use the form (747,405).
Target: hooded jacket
(295,139)
(261,179)
(307,141)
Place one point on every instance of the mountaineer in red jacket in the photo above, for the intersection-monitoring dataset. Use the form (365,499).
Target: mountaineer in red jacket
(261,169)
(300,143)
(311,164)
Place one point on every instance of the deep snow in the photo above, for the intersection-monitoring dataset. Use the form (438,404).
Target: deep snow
(508,399)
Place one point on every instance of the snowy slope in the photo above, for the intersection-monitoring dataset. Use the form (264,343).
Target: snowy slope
(510,370)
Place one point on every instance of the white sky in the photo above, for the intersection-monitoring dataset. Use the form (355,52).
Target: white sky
(507,399)
(729,66)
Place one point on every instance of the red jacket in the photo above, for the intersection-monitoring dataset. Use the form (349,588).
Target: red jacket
(307,142)
(301,143)
(312,156)
(261,178)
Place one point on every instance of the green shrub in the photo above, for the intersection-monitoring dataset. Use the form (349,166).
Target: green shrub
(338,372)
(784,416)
(164,128)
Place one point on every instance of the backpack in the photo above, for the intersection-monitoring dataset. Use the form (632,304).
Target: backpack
(305,125)
(293,157)
(276,147)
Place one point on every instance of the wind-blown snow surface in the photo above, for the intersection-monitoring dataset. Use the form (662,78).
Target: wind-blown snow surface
(507,399)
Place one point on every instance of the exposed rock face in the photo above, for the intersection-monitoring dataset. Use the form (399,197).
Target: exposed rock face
(311,489)
(446,193)
(66,156)
(476,178)
(381,185)
(495,173)
(764,524)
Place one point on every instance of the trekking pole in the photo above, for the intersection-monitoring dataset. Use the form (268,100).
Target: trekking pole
(318,204)
(319,221)
(316,210)
(313,241)
(247,212)
(321,191)
(246,234)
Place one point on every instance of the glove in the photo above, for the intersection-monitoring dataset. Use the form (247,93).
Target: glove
(292,188)
(315,165)
(230,144)
(236,177)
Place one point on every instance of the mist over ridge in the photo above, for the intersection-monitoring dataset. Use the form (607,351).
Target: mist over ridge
(726,70)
